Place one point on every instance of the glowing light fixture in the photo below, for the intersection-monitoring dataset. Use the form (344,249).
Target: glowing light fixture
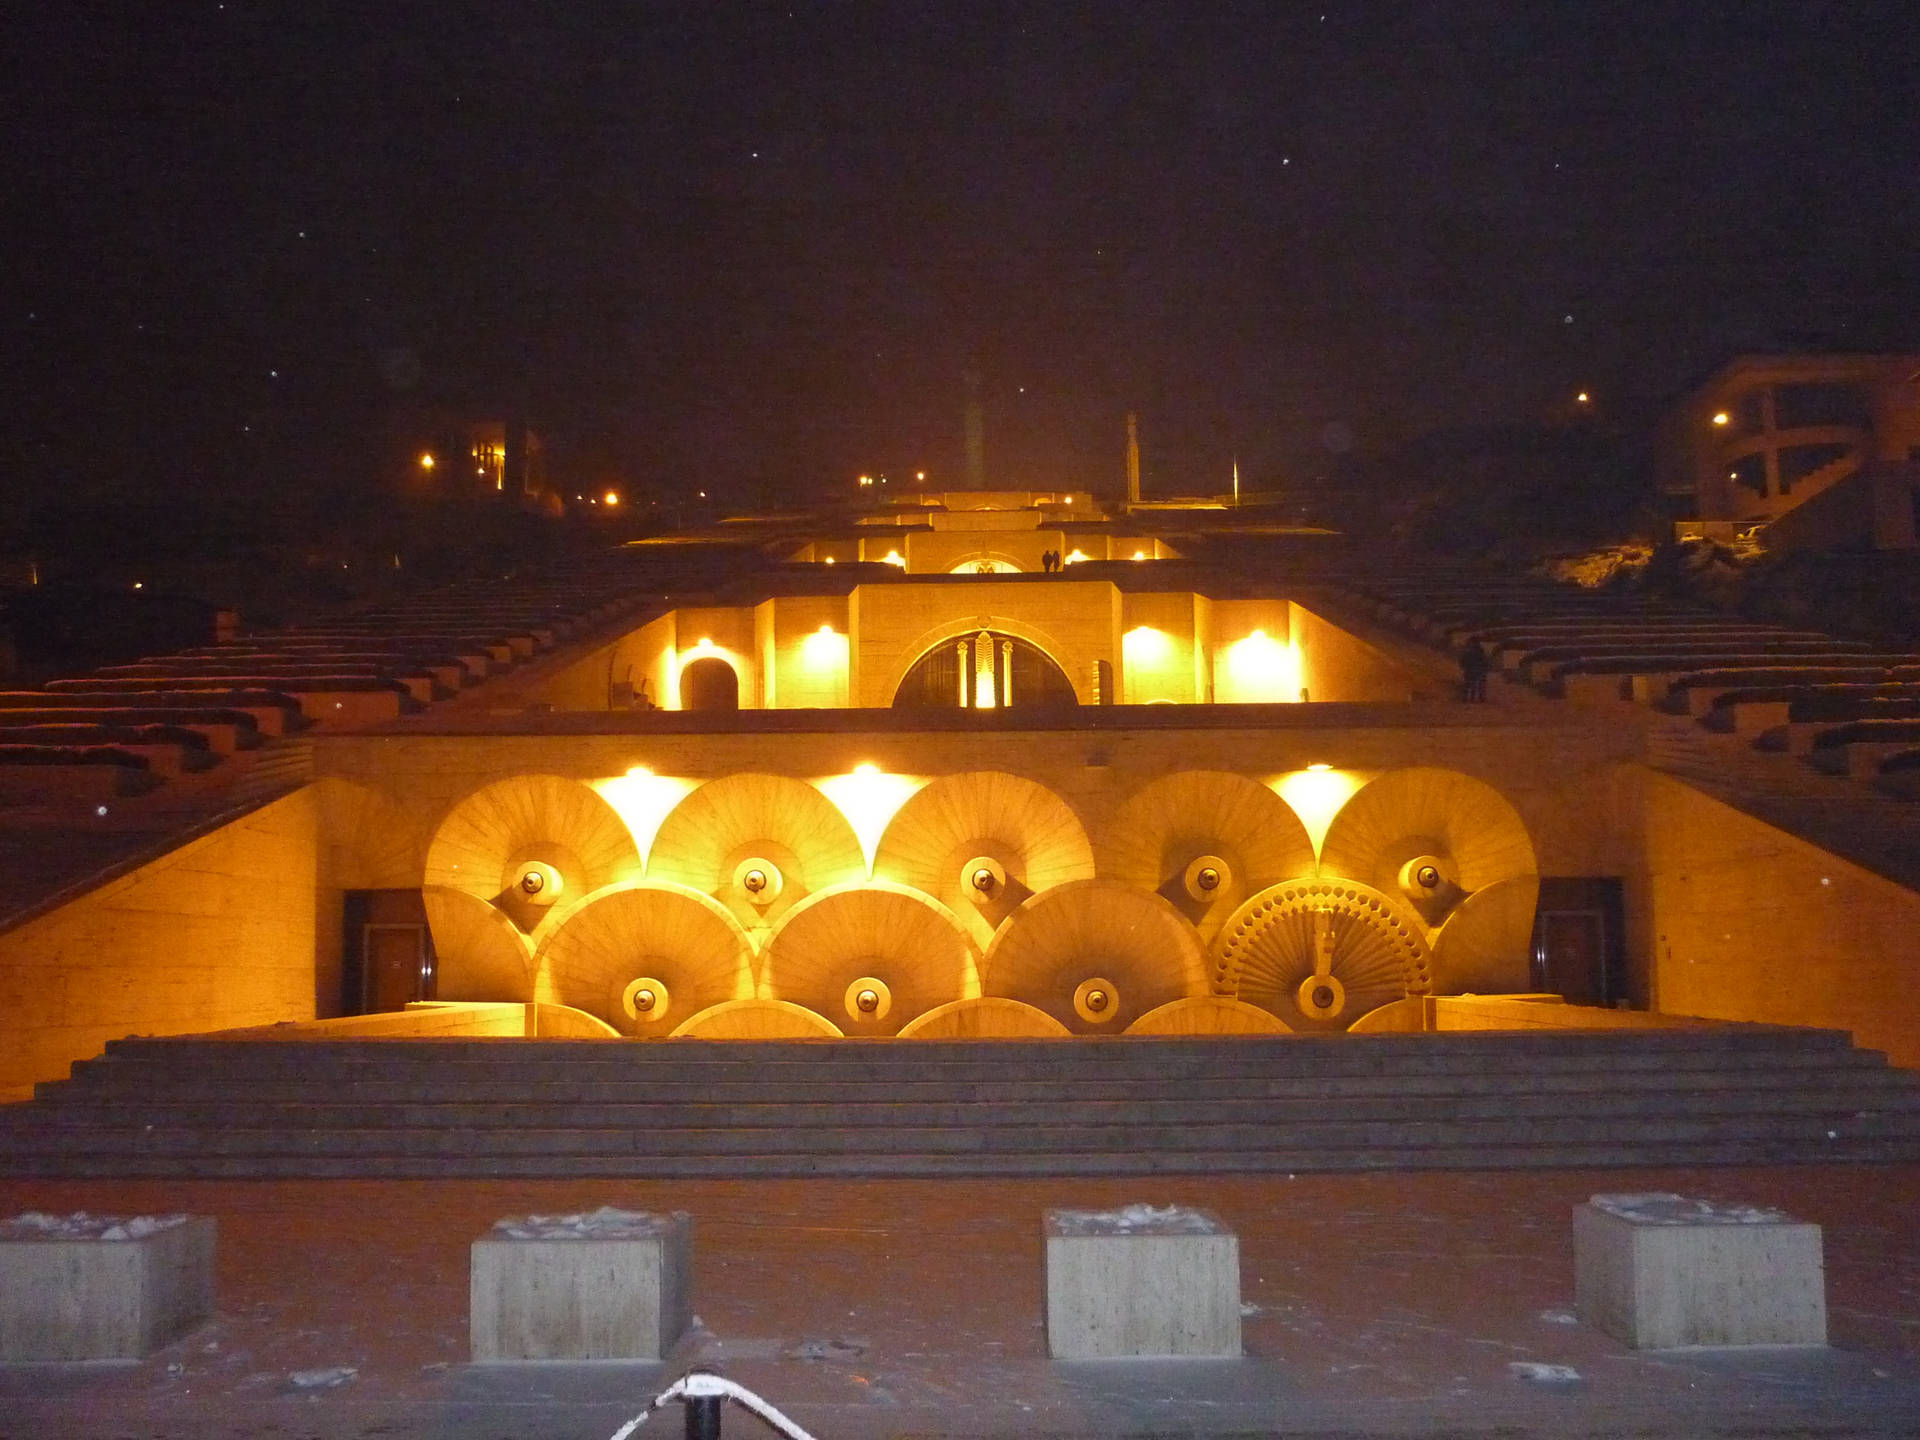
(824,652)
(894,557)
(1139,554)
(868,797)
(1074,557)
(1316,795)
(1259,670)
(829,559)
(643,799)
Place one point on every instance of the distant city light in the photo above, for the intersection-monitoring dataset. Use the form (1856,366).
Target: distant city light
(426,462)
(138,584)
(1721,417)
(919,474)
(1582,398)
(612,497)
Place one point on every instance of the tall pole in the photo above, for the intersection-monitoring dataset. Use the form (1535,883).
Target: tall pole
(1236,480)
(1133,458)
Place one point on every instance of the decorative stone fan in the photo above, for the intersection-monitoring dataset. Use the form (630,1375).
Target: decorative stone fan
(479,954)
(987,1017)
(644,956)
(870,957)
(1096,955)
(757,1020)
(1208,1015)
(527,843)
(1205,840)
(758,844)
(1486,945)
(1429,837)
(981,843)
(1321,953)
(368,841)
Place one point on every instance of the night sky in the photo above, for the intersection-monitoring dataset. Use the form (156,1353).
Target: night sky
(753,248)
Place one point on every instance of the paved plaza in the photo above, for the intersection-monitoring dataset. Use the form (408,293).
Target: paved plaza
(1420,1303)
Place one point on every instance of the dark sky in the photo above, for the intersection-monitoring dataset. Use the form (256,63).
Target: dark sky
(728,245)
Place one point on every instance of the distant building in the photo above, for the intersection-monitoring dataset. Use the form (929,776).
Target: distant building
(1832,441)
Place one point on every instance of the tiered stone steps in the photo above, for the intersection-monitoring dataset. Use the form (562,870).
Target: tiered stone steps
(206,1107)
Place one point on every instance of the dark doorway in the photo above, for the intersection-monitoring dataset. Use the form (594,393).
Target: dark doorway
(1579,939)
(709,684)
(388,962)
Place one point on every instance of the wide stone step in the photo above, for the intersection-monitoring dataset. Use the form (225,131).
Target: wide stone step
(1339,1133)
(313,1112)
(905,1165)
(101,1089)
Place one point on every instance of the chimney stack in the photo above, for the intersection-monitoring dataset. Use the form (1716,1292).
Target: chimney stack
(976,422)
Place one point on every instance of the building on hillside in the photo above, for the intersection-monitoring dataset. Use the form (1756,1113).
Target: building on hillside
(888,774)
(1832,441)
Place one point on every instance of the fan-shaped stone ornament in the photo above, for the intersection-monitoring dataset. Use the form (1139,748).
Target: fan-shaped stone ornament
(479,953)
(1429,836)
(757,1020)
(986,1017)
(981,843)
(1208,1015)
(870,957)
(525,843)
(1096,955)
(1238,833)
(1321,953)
(686,949)
(1397,1017)
(1486,946)
(757,843)
(369,842)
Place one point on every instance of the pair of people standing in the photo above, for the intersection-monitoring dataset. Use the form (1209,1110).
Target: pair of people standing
(1049,562)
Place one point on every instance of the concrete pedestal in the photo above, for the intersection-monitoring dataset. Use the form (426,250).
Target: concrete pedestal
(93,1287)
(613,1285)
(1141,1282)
(1661,1271)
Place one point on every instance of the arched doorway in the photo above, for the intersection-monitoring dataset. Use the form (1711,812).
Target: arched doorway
(984,670)
(985,565)
(709,684)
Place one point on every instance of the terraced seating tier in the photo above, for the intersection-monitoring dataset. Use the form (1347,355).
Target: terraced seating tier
(214,1106)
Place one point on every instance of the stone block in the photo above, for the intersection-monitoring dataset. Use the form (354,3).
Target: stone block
(1661,1271)
(610,1285)
(1141,1281)
(101,1287)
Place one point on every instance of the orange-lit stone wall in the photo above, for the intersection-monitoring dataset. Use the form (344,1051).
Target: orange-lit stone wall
(1336,666)
(230,929)
(1740,921)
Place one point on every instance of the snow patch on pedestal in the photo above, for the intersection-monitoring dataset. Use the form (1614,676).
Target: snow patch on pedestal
(606,1223)
(1134,1220)
(1663,1207)
(80,1225)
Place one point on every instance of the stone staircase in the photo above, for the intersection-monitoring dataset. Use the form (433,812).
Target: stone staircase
(1712,1095)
